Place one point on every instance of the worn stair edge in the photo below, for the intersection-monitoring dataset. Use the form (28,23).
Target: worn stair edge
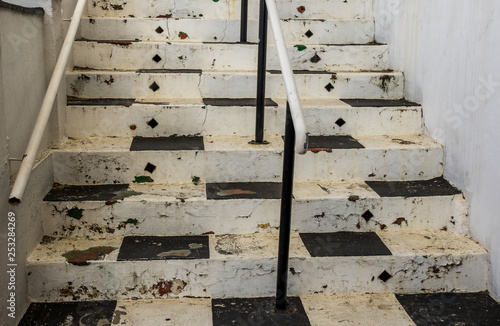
(244,265)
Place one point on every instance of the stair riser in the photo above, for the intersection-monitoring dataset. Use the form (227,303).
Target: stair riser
(225,56)
(244,166)
(84,121)
(232,85)
(195,216)
(205,30)
(246,277)
(359,9)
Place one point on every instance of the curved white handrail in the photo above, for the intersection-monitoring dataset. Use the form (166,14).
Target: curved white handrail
(46,108)
(291,88)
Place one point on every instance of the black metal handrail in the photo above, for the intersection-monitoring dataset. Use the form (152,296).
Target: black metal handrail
(294,142)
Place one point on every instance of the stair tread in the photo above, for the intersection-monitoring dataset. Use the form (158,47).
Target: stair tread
(155,192)
(241,143)
(257,246)
(367,309)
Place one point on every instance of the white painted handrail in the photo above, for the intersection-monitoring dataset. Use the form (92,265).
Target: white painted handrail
(287,72)
(46,108)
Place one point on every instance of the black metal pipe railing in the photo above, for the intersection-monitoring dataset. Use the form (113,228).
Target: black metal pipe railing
(261,75)
(286,211)
(290,133)
(244,21)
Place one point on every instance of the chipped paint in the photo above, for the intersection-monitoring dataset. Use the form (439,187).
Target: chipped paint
(143,179)
(300,47)
(264,226)
(75,213)
(400,220)
(319,149)
(183,35)
(131,221)
(196,180)
(81,257)
(231,192)
(353,198)
(181,252)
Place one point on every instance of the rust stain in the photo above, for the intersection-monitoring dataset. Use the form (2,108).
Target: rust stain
(319,149)
(353,198)
(81,257)
(231,192)
(163,287)
(183,35)
(133,127)
(400,220)
(301,9)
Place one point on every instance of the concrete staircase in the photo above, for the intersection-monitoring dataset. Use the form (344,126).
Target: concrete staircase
(158,193)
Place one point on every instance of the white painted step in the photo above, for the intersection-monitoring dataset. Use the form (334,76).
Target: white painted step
(195,117)
(227,84)
(354,31)
(184,209)
(314,9)
(233,159)
(225,56)
(245,266)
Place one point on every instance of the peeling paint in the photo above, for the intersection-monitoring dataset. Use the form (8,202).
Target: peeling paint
(196,180)
(163,287)
(264,226)
(400,220)
(132,221)
(81,257)
(300,47)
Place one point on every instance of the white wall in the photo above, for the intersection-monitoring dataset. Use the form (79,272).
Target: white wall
(22,87)
(449,51)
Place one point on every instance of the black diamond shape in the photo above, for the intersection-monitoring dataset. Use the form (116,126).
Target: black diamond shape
(150,168)
(159,30)
(309,33)
(385,276)
(329,87)
(340,122)
(152,123)
(157,58)
(367,215)
(315,59)
(154,87)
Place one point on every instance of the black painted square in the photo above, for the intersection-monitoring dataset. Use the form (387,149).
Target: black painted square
(237,102)
(309,33)
(367,215)
(159,30)
(258,311)
(329,87)
(333,142)
(85,193)
(422,188)
(157,58)
(378,103)
(385,276)
(471,309)
(244,190)
(344,244)
(153,123)
(143,248)
(69,313)
(315,59)
(173,143)
(340,122)
(150,168)
(154,87)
